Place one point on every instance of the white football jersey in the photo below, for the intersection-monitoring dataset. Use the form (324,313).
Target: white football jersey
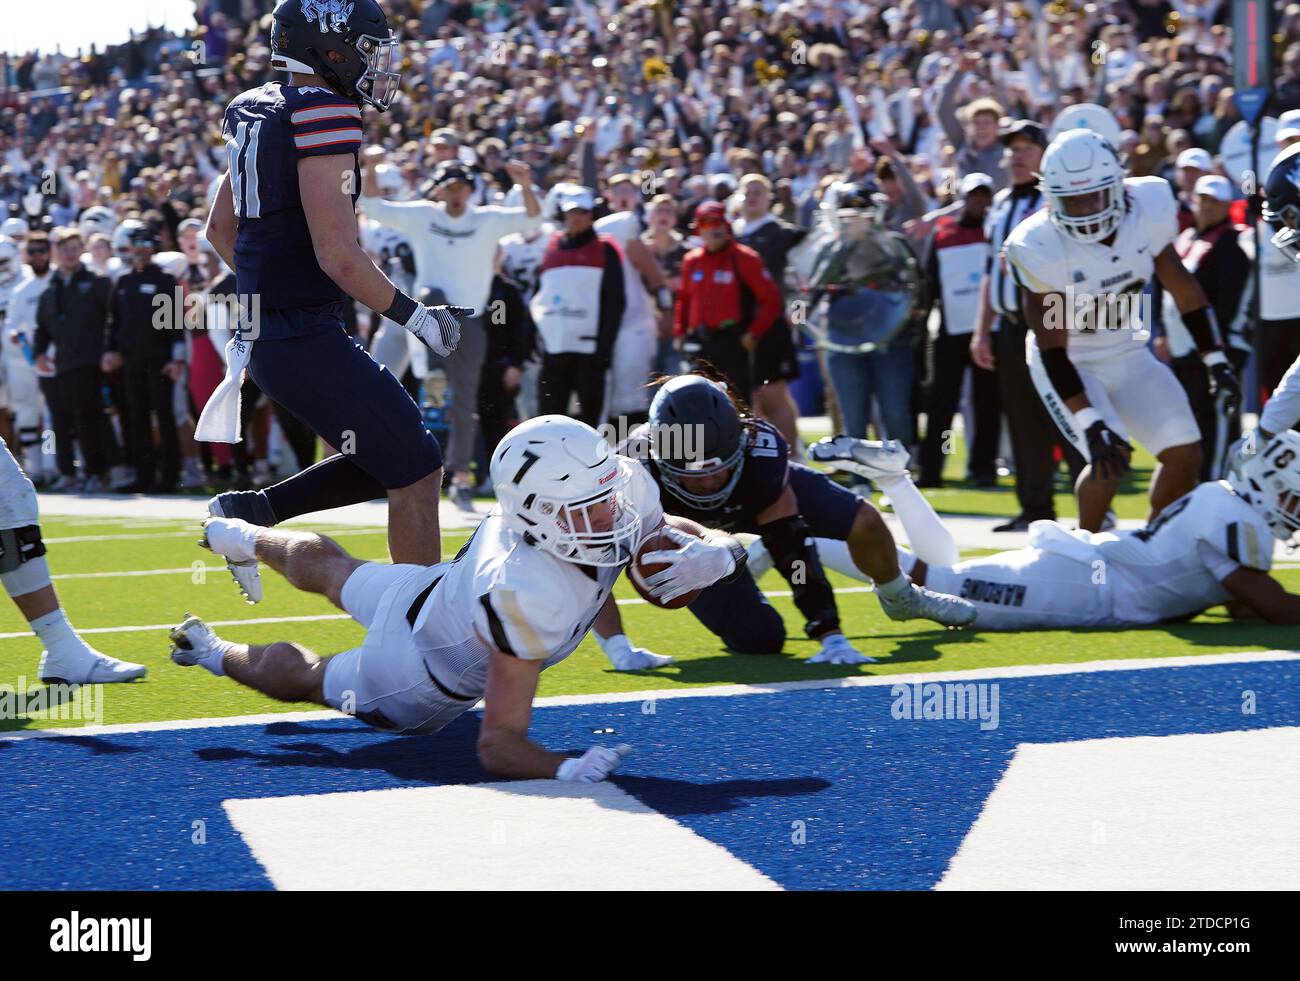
(1102,283)
(502,592)
(1177,564)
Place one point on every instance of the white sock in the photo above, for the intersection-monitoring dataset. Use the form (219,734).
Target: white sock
(930,539)
(212,657)
(894,588)
(835,556)
(233,538)
(57,635)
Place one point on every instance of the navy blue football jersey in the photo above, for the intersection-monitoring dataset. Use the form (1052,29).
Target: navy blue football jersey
(763,478)
(267,131)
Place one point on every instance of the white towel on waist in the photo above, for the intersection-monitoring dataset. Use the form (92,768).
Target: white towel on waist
(219,421)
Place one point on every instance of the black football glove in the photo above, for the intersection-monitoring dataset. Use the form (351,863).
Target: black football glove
(1107,450)
(1225,388)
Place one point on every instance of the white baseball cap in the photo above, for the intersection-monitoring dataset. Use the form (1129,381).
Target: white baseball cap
(1288,125)
(575,196)
(1217,187)
(1195,157)
(973,180)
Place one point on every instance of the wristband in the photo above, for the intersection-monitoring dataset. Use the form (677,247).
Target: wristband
(1086,416)
(402,309)
(1203,330)
(1211,358)
(739,554)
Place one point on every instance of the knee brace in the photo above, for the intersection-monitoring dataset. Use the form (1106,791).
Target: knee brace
(22,560)
(795,555)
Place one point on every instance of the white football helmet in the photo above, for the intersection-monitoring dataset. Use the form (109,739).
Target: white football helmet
(1087,115)
(14,228)
(560,486)
(1269,481)
(122,238)
(96,219)
(11,265)
(1081,164)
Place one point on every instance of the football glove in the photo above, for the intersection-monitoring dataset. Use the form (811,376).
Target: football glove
(836,649)
(695,565)
(1225,388)
(1107,452)
(594,765)
(624,657)
(437,327)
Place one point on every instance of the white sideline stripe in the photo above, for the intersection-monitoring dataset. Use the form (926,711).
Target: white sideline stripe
(138,572)
(630,601)
(709,691)
(72,539)
(508,835)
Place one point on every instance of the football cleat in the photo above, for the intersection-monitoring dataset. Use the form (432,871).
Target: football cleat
(921,603)
(245,572)
(86,667)
(836,649)
(191,640)
(867,458)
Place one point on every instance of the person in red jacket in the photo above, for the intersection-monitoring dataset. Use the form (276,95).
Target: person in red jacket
(726,303)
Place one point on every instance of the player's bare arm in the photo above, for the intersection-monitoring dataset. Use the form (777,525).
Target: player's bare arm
(1264,595)
(504,748)
(324,183)
(1198,316)
(222,226)
(1049,316)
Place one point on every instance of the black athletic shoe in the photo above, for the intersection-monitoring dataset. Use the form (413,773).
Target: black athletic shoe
(1020,523)
(249,505)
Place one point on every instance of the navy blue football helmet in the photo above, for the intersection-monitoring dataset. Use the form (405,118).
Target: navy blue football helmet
(696,431)
(346,42)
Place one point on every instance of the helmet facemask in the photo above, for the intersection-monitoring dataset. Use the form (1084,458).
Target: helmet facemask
(378,85)
(674,473)
(1269,482)
(1286,238)
(600,530)
(1094,223)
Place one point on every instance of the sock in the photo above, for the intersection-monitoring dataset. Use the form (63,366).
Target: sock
(57,635)
(211,658)
(233,538)
(930,539)
(894,588)
(333,483)
(834,555)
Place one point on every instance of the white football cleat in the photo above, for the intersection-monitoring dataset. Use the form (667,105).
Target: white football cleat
(868,458)
(191,639)
(86,667)
(921,603)
(836,649)
(220,535)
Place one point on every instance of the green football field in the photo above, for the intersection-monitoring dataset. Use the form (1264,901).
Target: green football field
(124,581)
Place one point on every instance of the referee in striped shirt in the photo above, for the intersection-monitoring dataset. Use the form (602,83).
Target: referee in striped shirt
(1033,434)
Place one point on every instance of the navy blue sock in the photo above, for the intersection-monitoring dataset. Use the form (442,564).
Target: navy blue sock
(335,482)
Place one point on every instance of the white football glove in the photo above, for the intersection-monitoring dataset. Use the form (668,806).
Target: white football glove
(694,566)
(1244,450)
(625,657)
(594,765)
(438,327)
(836,649)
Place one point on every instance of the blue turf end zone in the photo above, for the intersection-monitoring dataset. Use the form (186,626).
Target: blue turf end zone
(884,803)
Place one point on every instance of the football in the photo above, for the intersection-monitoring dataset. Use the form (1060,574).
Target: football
(638,570)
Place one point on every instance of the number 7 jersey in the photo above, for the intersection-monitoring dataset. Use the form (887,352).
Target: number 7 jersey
(268,130)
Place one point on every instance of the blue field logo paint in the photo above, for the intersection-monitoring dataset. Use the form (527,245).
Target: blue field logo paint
(818,787)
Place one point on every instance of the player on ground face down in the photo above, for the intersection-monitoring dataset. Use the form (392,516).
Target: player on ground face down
(284,219)
(67,658)
(1212,546)
(737,476)
(1082,264)
(518,598)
